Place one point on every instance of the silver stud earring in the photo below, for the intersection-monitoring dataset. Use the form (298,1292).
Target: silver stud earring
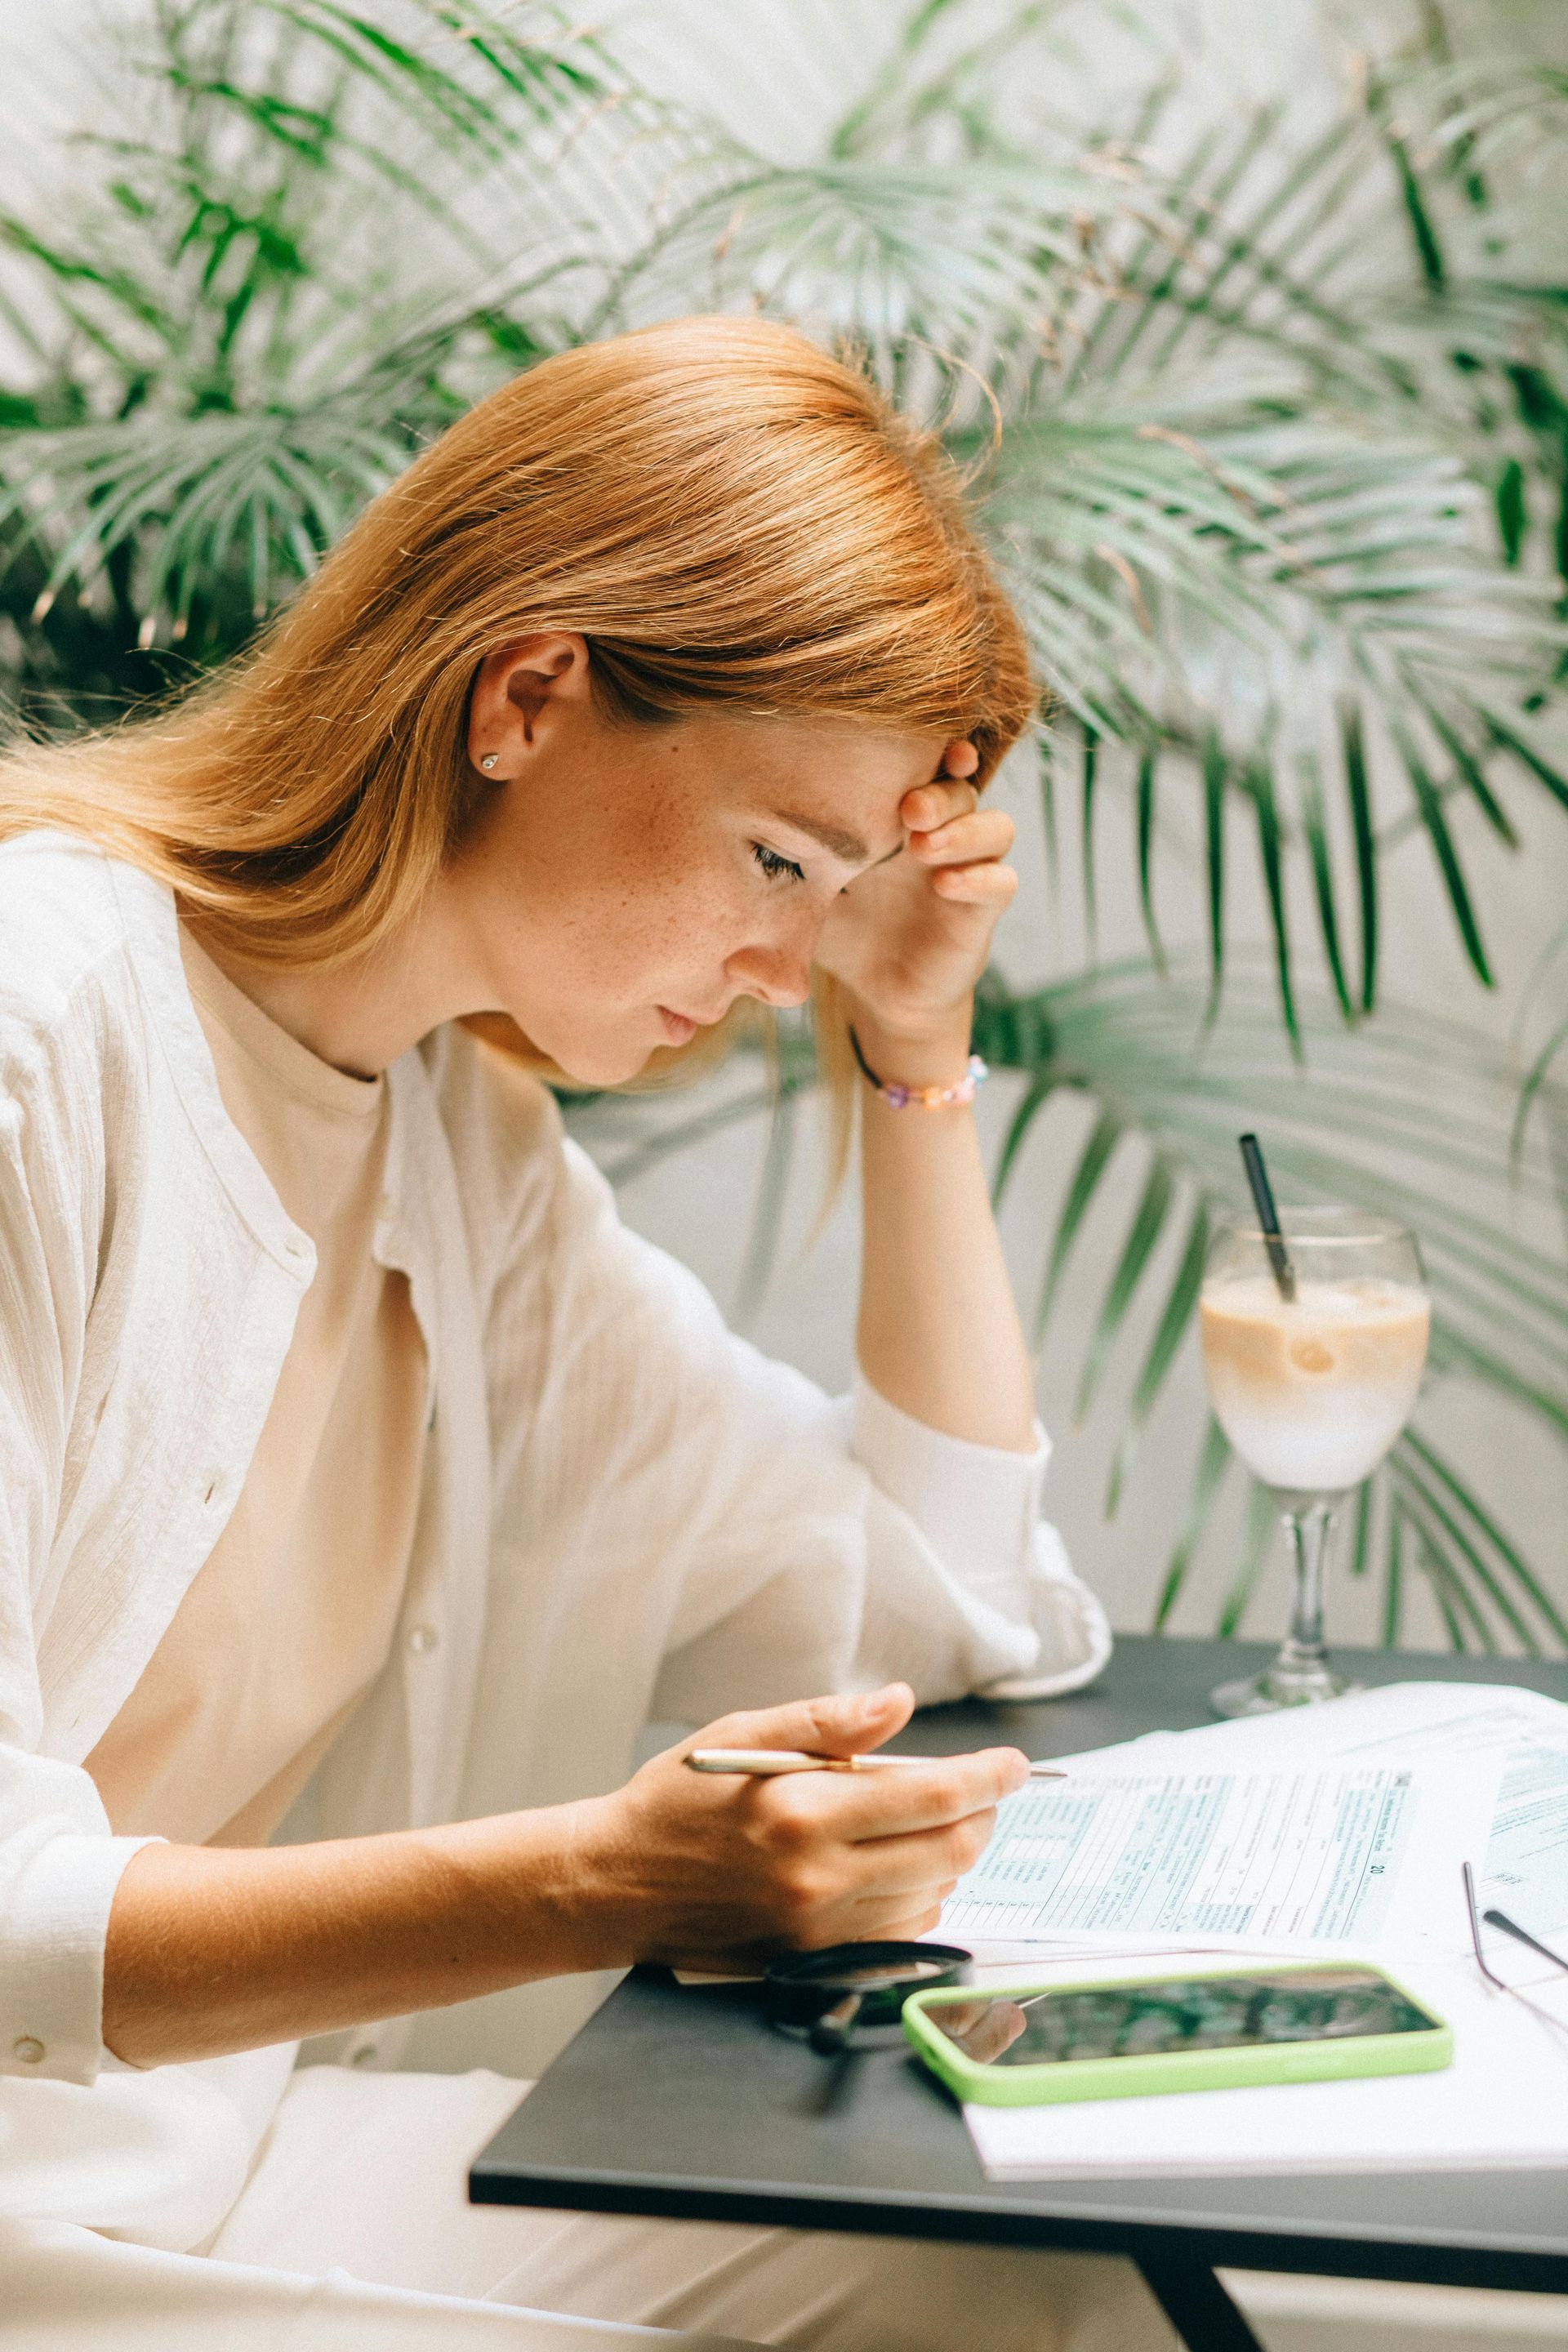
(487,762)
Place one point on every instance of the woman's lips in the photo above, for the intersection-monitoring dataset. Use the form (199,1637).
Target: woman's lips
(677,1027)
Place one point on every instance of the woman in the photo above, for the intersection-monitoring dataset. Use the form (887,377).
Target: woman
(348,1445)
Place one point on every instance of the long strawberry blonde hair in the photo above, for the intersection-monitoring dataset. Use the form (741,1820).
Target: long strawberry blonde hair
(729,517)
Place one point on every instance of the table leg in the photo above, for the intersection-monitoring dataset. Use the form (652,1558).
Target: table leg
(1196,2306)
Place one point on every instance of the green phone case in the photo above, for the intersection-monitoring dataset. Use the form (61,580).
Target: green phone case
(1327,2061)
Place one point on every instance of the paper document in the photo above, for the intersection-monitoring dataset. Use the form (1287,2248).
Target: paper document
(1315,1828)
(1526,1868)
(1192,1857)
(1401,1722)
(1504,2101)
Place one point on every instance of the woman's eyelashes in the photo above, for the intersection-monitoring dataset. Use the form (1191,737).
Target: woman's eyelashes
(775,867)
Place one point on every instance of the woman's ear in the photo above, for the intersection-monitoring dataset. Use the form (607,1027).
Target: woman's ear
(519,692)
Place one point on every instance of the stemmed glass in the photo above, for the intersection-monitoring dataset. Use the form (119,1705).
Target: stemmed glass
(1314,1341)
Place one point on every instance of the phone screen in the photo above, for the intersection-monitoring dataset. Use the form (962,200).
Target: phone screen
(1146,2021)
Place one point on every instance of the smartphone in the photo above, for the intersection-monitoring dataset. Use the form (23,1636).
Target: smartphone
(1299,2021)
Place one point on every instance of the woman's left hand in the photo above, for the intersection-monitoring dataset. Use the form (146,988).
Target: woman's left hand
(908,939)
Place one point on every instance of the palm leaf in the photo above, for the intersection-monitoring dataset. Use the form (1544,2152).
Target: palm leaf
(1314,825)
(1147,769)
(1394,1579)
(1262,1524)
(1430,802)
(1092,1163)
(884,252)
(1535,1079)
(1260,783)
(1088,767)
(1142,1234)
(1175,1322)
(1353,747)
(1214,1461)
(1215,779)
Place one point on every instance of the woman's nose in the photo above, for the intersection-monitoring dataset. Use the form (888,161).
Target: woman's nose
(778,975)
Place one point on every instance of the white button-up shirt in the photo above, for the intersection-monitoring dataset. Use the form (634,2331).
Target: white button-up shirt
(627,1512)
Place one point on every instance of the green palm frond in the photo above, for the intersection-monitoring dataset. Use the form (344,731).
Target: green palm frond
(256,498)
(941,83)
(886,253)
(1260,602)
(1191,569)
(278,289)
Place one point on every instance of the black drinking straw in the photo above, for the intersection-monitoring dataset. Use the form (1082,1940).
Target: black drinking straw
(1268,1216)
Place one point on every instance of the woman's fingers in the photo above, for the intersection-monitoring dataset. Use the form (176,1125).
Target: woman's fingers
(835,1809)
(976,886)
(884,1922)
(979,833)
(930,805)
(928,1865)
(834,1726)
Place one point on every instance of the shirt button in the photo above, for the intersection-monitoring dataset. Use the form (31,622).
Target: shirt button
(30,2051)
(423,1639)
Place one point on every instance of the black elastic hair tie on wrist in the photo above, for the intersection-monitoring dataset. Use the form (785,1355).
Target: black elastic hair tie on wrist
(898,1098)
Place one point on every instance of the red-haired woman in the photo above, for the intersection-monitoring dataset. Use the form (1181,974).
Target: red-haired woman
(357,1465)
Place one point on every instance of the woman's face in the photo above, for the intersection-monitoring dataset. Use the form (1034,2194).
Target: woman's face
(621,885)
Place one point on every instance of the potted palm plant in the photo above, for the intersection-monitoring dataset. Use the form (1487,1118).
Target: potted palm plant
(1266,412)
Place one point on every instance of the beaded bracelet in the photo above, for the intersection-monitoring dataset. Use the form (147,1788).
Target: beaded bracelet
(899,1097)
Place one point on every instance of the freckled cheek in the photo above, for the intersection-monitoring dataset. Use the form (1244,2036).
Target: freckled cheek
(636,944)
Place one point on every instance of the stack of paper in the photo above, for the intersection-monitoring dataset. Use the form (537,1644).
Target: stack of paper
(1333,1827)
(1337,1828)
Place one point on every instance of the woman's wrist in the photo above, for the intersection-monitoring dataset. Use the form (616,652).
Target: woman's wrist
(544,1882)
(933,1054)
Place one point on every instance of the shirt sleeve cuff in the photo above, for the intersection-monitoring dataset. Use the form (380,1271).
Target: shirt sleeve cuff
(51,1957)
(975,1505)
(1073,1629)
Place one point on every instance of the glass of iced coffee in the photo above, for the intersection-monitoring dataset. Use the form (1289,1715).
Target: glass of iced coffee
(1314,1359)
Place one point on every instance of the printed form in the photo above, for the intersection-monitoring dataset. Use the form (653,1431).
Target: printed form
(1526,1869)
(1514,1741)
(1198,1856)
(1342,1826)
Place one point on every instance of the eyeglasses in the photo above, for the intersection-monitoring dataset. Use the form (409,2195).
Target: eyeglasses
(1501,1920)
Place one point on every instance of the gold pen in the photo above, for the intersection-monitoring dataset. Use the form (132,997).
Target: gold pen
(763,1763)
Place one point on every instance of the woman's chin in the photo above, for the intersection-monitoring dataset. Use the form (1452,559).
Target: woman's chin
(605,1063)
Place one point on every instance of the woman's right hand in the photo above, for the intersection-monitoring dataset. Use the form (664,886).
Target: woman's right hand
(217,1948)
(720,1871)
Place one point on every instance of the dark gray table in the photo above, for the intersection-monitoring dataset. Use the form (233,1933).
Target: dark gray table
(681,2103)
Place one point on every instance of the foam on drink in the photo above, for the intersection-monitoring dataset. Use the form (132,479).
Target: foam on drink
(1313,1391)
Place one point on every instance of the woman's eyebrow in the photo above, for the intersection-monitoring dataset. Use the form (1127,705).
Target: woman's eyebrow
(848,846)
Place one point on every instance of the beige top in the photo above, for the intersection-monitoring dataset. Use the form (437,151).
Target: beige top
(293,1612)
